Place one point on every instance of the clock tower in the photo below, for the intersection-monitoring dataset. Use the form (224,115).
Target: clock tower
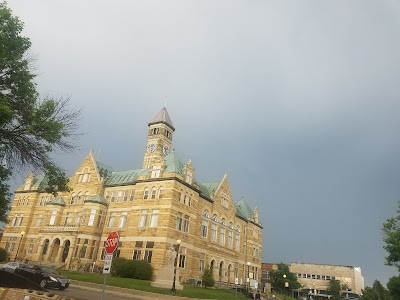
(159,138)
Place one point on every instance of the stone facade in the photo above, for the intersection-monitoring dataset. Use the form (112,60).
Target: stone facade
(151,208)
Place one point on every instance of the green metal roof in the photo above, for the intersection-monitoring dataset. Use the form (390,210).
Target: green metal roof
(97,199)
(56,201)
(243,209)
(124,177)
(173,164)
(103,169)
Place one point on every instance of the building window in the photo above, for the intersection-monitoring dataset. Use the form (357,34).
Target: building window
(222,232)
(237,237)
(182,257)
(148,253)
(155,173)
(100,219)
(91,217)
(154,218)
(146,193)
(202,262)
(72,199)
(38,221)
(86,196)
(230,235)
(53,217)
(204,224)
(111,220)
(153,192)
(132,195)
(137,252)
(143,218)
(214,228)
(160,192)
(122,220)
(69,218)
(186,219)
(119,196)
(113,195)
(125,196)
(179,220)
(79,199)
(30,247)
(84,248)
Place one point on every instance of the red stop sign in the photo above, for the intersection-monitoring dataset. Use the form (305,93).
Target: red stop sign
(112,242)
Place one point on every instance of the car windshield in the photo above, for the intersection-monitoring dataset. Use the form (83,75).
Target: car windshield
(49,271)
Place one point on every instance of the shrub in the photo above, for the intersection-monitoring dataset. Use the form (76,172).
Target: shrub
(3,254)
(128,268)
(208,278)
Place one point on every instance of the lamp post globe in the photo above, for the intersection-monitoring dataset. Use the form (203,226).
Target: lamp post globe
(284,286)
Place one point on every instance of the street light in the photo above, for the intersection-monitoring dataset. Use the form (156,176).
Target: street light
(176,247)
(284,286)
(19,245)
(248,276)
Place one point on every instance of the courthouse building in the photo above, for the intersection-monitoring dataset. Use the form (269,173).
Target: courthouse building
(151,208)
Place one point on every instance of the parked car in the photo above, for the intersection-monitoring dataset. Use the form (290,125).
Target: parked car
(10,266)
(15,281)
(44,276)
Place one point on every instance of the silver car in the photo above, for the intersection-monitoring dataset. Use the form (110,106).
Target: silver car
(10,266)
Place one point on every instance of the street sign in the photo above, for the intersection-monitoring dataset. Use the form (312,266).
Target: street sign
(236,280)
(107,263)
(112,242)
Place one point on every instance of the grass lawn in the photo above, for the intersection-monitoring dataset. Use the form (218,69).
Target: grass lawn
(144,285)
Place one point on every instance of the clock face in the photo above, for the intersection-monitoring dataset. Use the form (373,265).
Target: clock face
(151,147)
(165,150)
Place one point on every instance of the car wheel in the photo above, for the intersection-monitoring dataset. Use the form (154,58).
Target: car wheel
(43,283)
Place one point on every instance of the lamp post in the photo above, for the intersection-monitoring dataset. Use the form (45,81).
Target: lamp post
(248,276)
(284,286)
(176,247)
(19,245)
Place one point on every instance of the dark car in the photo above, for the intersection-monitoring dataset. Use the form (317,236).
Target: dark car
(10,280)
(44,276)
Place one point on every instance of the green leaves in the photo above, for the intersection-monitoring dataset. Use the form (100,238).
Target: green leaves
(391,232)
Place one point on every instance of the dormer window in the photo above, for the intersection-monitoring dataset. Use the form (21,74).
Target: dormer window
(155,131)
(84,176)
(155,173)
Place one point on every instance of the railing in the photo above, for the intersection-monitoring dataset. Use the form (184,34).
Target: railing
(57,228)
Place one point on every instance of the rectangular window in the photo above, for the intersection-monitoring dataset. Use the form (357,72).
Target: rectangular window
(125,198)
(204,228)
(154,217)
(182,257)
(113,194)
(136,254)
(84,248)
(213,232)
(179,221)
(100,220)
(143,218)
(53,217)
(155,173)
(119,196)
(38,221)
(91,217)
(122,220)
(68,219)
(132,195)
(202,262)
(186,224)
(20,219)
(111,220)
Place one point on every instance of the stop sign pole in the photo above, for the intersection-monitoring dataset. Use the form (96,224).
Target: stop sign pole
(111,246)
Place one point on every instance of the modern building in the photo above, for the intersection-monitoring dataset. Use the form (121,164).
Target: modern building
(151,208)
(316,277)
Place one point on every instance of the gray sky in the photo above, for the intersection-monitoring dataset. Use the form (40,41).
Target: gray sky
(298,101)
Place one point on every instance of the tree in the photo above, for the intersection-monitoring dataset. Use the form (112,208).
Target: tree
(30,127)
(376,292)
(391,232)
(277,279)
(334,289)
(208,278)
(394,287)
(3,254)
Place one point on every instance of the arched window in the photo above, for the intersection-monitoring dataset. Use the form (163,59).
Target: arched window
(160,192)
(204,224)
(86,195)
(214,228)
(72,199)
(79,200)
(146,193)
(222,232)
(230,235)
(153,192)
